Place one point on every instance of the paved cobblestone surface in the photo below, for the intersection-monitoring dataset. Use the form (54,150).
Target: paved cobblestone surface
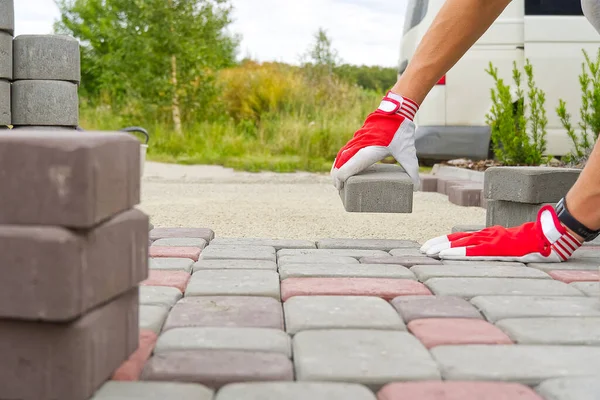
(277,319)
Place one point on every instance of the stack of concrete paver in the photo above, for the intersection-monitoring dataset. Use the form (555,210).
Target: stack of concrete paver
(7,26)
(516,194)
(73,250)
(360,319)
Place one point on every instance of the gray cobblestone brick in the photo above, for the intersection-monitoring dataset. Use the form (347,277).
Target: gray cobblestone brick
(421,307)
(366,244)
(315,259)
(408,252)
(118,390)
(7,16)
(46,57)
(406,261)
(425,272)
(161,233)
(525,364)
(213,252)
(581,388)
(372,358)
(340,312)
(51,103)
(159,296)
(6,54)
(510,214)
(583,264)
(152,317)
(496,308)
(591,289)
(484,264)
(234,282)
(218,338)
(172,264)
(278,244)
(356,253)
(561,330)
(5,114)
(344,270)
(235,264)
(181,242)
(295,391)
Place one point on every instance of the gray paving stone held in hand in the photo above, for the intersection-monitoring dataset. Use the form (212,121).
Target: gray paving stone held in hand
(561,330)
(6,54)
(181,242)
(278,244)
(43,102)
(356,253)
(344,270)
(406,261)
(7,16)
(425,272)
(217,252)
(509,214)
(340,312)
(161,233)
(171,264)
(591,289)
(119,390)
(159,296)
(234,282)
(295,391)
(421,307)
(366,244)
(380,188)
(529,184)
(315,259)
(152,317)
(582,264)
(203,265)
(218,338)
(373,358)
(576,388)
(407,252)
(47,57)
(526,364)
(496,308)
(5,113)
(468,288)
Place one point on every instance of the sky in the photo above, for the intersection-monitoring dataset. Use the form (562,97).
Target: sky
(362,31)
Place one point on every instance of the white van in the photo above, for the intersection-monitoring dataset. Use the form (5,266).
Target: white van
(550,33)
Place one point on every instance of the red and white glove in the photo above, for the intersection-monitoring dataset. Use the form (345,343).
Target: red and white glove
(545,240)
(387,131)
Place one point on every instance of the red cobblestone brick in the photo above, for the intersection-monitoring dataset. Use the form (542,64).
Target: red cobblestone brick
(176,279)
(131,369)
(434,332)
(575,276)
(457,391)
(175,252)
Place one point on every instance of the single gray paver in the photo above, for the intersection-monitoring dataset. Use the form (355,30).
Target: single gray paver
(315,259)
(496,308)
(407,252)
(356,253)
(581,388)
(6,54)
(344,270)
(562,330)
(339,312)
(425,272)
(591,289)
(234,282)
(467,228)
(526,364)
(51,103)
(161,233)
(235,264)
(421,307)
(47,57)
(529,184)
(484,264)
(366,244)
(215,338)
(471,287)
(172,264)
(181,242)
(235,252)
(592,252)
(226,311)
(5,115)
(278,244)
(295,391)
(510,214)
(152,317)
(372,358)
(159,296)
(381,188)
(582,264)
(7,16)
(406,261)
(115,390)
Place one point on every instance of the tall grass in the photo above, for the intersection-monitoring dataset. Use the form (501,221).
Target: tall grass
(266,117)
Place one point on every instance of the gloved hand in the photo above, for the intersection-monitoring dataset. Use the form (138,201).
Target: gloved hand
(545,240)
(387,131)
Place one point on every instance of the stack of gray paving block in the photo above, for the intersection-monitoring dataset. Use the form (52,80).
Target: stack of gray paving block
(381,188)
(7,26)
(516,194)
(73,250)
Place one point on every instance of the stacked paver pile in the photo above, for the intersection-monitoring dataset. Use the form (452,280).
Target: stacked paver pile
(462,192)
(359,319)
(7,26)
(73,250)
(516,194)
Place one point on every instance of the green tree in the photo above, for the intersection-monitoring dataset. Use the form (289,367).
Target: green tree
(321,56)
(151,57)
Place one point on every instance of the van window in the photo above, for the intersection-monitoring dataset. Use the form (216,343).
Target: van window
(415,13)
(553,7)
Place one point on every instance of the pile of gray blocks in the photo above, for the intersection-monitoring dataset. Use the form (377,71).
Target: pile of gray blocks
(39,77)
(516,194)
(381,188)
(73,251)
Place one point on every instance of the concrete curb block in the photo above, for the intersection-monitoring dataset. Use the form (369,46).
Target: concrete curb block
(46,57)
(7,16)
(6,55)
(52,103)
(5,115)
(510,214)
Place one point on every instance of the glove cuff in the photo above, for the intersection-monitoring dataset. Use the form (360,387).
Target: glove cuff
(561,241)
(393,103)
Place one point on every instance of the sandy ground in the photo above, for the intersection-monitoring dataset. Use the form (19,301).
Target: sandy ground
(295,206)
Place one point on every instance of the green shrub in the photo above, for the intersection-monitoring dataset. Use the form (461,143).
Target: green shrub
(518,136)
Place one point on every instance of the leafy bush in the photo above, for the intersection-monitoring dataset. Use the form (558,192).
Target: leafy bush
(589,112)
(518,136)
